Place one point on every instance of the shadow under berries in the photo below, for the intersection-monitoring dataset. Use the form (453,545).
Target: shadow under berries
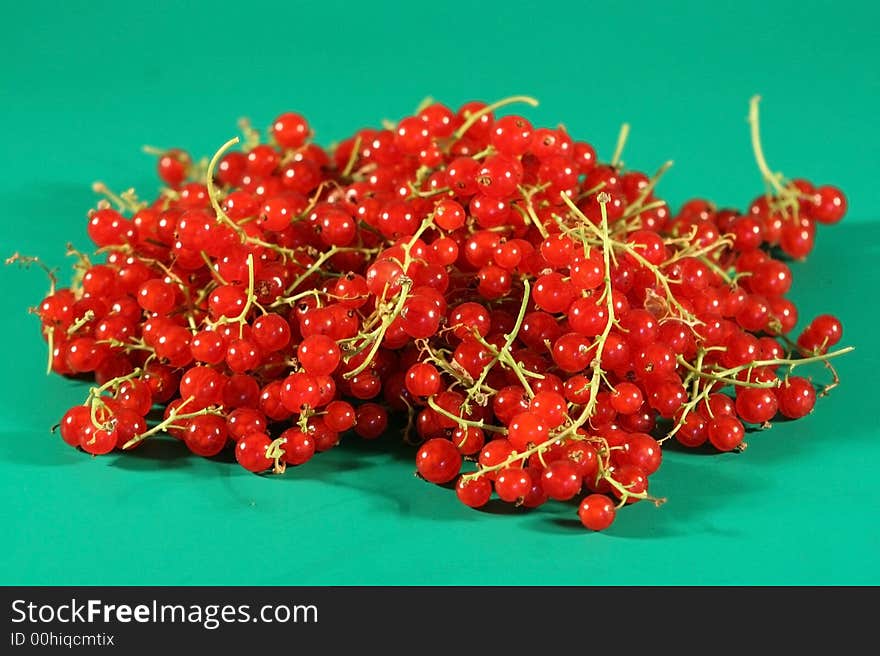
(172,453)
(356,464)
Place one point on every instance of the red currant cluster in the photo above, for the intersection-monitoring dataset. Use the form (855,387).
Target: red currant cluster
(528,309)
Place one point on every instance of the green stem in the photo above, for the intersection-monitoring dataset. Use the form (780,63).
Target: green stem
(488,109)
(461,421)
(621,142)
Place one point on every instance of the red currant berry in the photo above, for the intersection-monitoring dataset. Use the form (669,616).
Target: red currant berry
(205,435)
(726,432)
(756,405)
(513,484)
(829,205)
(340,416)
(596,512)
(319,355)
(473,492)
(423,379)
(299,447)
(561,480)
(797,397)
(290,130)
(372,421)
(438,461)
(250,452)
(527,428)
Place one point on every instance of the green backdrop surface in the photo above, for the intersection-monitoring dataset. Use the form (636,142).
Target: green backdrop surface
(85,84)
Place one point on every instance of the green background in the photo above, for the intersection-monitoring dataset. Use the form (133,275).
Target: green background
(84,85)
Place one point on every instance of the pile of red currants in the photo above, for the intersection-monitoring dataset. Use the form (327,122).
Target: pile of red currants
(528,310)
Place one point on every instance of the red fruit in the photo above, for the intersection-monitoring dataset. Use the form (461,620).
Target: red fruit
(100,441)
(468,440)
(632,479)
(76,423)
(474,492)
(340,416)
(319,355)
(299,447)
(513,484)
(561,480)
(626,398)
(829,205)
(250,452)
(726,432)
(205,435)
(756,405)
(596,512)
(438,461)
(290,130)
(550,406)
(797,397)
(644,452)
(422,379)
(495,453)
(372,421)
(527,429)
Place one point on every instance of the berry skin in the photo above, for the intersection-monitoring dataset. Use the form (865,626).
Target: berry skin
(797,397)
(135,395)
(76,422)
(412,135)
(325,439)
(300,392)
(423,379)
(299,447)
(756,405)
(511,135)
(129,425)
(449,215)
(438,461)
(644,452)
(626,398)
(250,452)
(633,479)
(499,176)
(290,130)
(99,441)
(726,432)
(550,406)
(693,431)
(829,205)
(340,416)
(372,421)
(561,480)
(572,352)
(469,319)
(596,512)
(494,453)
(527,428)
(205,435)
(552,294)
(271,333)
(172,167)
(244,421)
(513,484)
(469,440)
(208,346)
(474,493)
(584,457)
(157,296)
(825,330)
(319,355)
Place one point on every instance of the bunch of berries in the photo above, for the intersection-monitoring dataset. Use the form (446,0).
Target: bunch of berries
(542,321)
